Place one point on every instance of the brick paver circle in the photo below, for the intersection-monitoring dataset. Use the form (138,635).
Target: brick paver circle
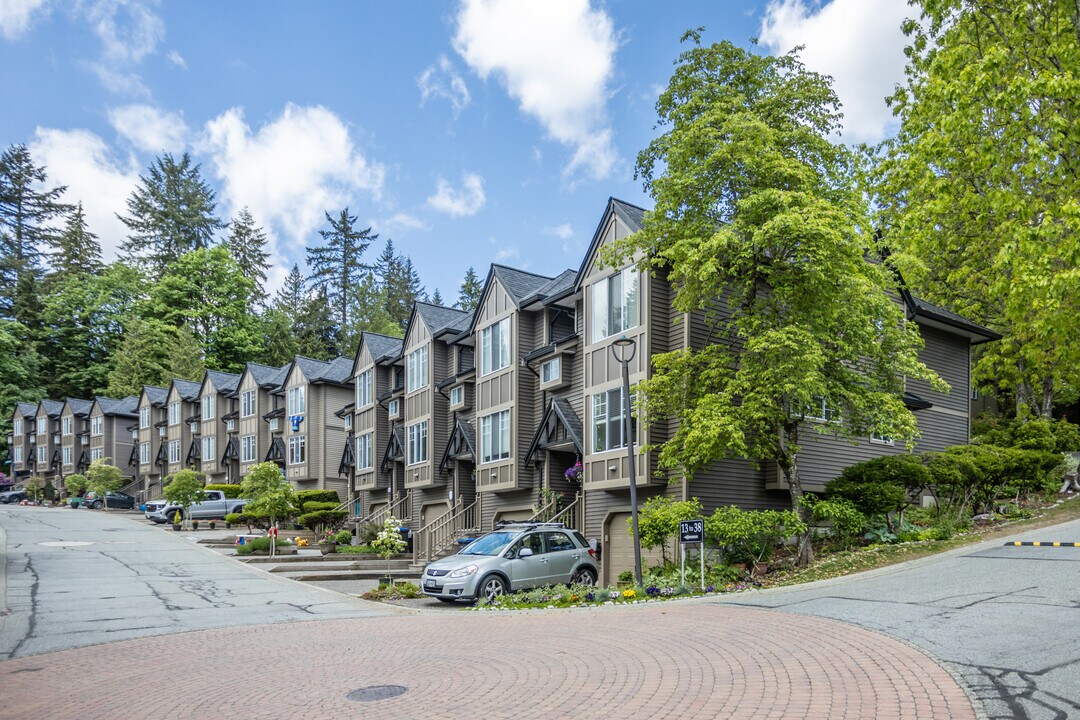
(653,661)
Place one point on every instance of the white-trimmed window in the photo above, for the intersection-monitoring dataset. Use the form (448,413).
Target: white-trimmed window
(551,370)
(457,395)
(174,414)
(42,454)
(16,454)
(495,436)
(819,410)
(297,449)
(273,423)
(97,454)
(97,425)
(878,439)
(296,400)
(363,452)
(66,425)
(67,456)
(363,389)
(247,449)
(247,403)
(607,420)
(209,448)
(174,452)
(42,426)
(144,453)
(16,426)
(615,304)
(208,403)
(392,408)
(416,369)
(495,347)
(144,417)
(417,443)
(348,421)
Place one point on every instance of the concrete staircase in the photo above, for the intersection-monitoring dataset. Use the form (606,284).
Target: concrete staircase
(309,567)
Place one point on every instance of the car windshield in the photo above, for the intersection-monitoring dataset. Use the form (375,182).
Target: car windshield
(490,544)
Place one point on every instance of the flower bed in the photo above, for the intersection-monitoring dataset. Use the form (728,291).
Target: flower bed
(563,596)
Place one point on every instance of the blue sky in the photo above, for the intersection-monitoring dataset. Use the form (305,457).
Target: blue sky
(469,132)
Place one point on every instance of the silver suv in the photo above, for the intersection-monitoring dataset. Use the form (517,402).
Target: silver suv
(513,557)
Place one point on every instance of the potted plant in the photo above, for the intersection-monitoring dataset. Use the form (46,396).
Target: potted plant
(177,521)
(328,544)
(194,524)
(574,473)
(387,544)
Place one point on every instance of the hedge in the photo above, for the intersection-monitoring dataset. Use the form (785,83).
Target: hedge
(880,486)
(232,492)
(303,497)
(321,522)
(313,506)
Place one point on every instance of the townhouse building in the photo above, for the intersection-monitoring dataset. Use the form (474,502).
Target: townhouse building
(182,407)
(216,398)
(74,436)
(114,434)
(150,454)
(376,408)
(47,439)
(22,442)
(310,433)
(255,401)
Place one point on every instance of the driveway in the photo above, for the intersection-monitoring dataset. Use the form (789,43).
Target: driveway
(1005,619)
(81,577)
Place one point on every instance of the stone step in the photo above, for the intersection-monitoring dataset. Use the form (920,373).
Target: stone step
(377,566)
(313,555)
(351,575)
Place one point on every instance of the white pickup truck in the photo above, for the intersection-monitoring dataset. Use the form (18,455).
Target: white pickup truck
(215,506)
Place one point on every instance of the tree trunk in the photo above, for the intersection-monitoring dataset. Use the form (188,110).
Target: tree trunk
(1046,410)
(788,462)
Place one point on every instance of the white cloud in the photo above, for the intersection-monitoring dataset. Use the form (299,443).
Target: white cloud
(507,253)
(82,161)
(459,203)
(150,129)
(563,231)
(177,59)
(129,31)
(556,59)
(399,221)
(15,16)
(858,42)
(291,170)
(442,81)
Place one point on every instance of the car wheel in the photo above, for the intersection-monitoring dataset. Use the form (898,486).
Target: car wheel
(584,576)
(490,588)
(96,505)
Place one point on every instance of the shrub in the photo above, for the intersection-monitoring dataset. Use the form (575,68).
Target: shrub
(880,486)
(750,535)
(314,506)
(1048,435)
(230,491)
(323,496)
(972,477)
(397,591)
(322,522)
(356,550)
(343,537)
(259,545)
(658,521)
(847,522)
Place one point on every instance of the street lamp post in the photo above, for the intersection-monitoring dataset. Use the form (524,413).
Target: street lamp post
(624,350)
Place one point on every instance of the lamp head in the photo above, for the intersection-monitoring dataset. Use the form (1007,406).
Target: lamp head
(624,342)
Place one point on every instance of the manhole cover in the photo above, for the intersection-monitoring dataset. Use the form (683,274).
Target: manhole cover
(376,692)
(65,543)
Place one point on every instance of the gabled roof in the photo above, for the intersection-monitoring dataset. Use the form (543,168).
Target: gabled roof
(79,407)
(437,318)
(28,409)
(558,285)
(559,414)
(223,382)
(632,215)
(518,284)
(156,395)
(186,389)
(382,346)
(337,371)
(52,408)
(124,406)
(461,443)
(922,309)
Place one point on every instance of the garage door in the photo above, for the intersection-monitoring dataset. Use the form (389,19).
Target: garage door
(619,549)
(375,507)
(513,515)
(432,511)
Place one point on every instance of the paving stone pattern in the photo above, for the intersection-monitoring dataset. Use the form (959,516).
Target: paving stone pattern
(656,661)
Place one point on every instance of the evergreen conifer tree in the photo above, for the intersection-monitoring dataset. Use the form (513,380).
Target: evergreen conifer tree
(247,246)
(76,251)
(469,292)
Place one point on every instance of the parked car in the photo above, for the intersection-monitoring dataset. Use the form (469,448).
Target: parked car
(12,496)
(113,499)
(215,506)
(513,557)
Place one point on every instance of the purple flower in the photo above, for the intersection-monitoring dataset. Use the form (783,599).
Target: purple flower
(710,589)
(652,591)
(590,596)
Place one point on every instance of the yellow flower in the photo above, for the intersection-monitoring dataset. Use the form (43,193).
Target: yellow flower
(574,598)
(629,594)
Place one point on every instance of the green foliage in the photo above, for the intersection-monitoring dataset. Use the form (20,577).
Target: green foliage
(389,541)
(974,196)
(259,545)
(846,520)
(271,494)
(337,266)
(343,537)
(658,521)
(75,484)
(670,575)
(142,357)
(395,591)
(355,550)
(310,506)
(469,292)
(35,486)
(230,491)
(751,535)
(972,477)
(323,522)
(185,488)
(102,477)
(1049,435)
(246,244)
(547,497)
(303,497)
(880,486)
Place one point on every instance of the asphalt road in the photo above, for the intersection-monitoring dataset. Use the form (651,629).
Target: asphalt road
(82,577)
(1004,619)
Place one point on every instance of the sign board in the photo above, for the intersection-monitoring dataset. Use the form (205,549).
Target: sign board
(691,531)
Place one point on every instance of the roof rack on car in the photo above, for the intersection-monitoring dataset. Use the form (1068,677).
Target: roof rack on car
(531,525)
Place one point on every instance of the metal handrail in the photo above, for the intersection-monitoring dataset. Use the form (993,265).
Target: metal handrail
(544,511)
(442,532)
(575,505)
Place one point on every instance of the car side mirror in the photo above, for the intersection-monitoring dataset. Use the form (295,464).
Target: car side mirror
(524,553)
